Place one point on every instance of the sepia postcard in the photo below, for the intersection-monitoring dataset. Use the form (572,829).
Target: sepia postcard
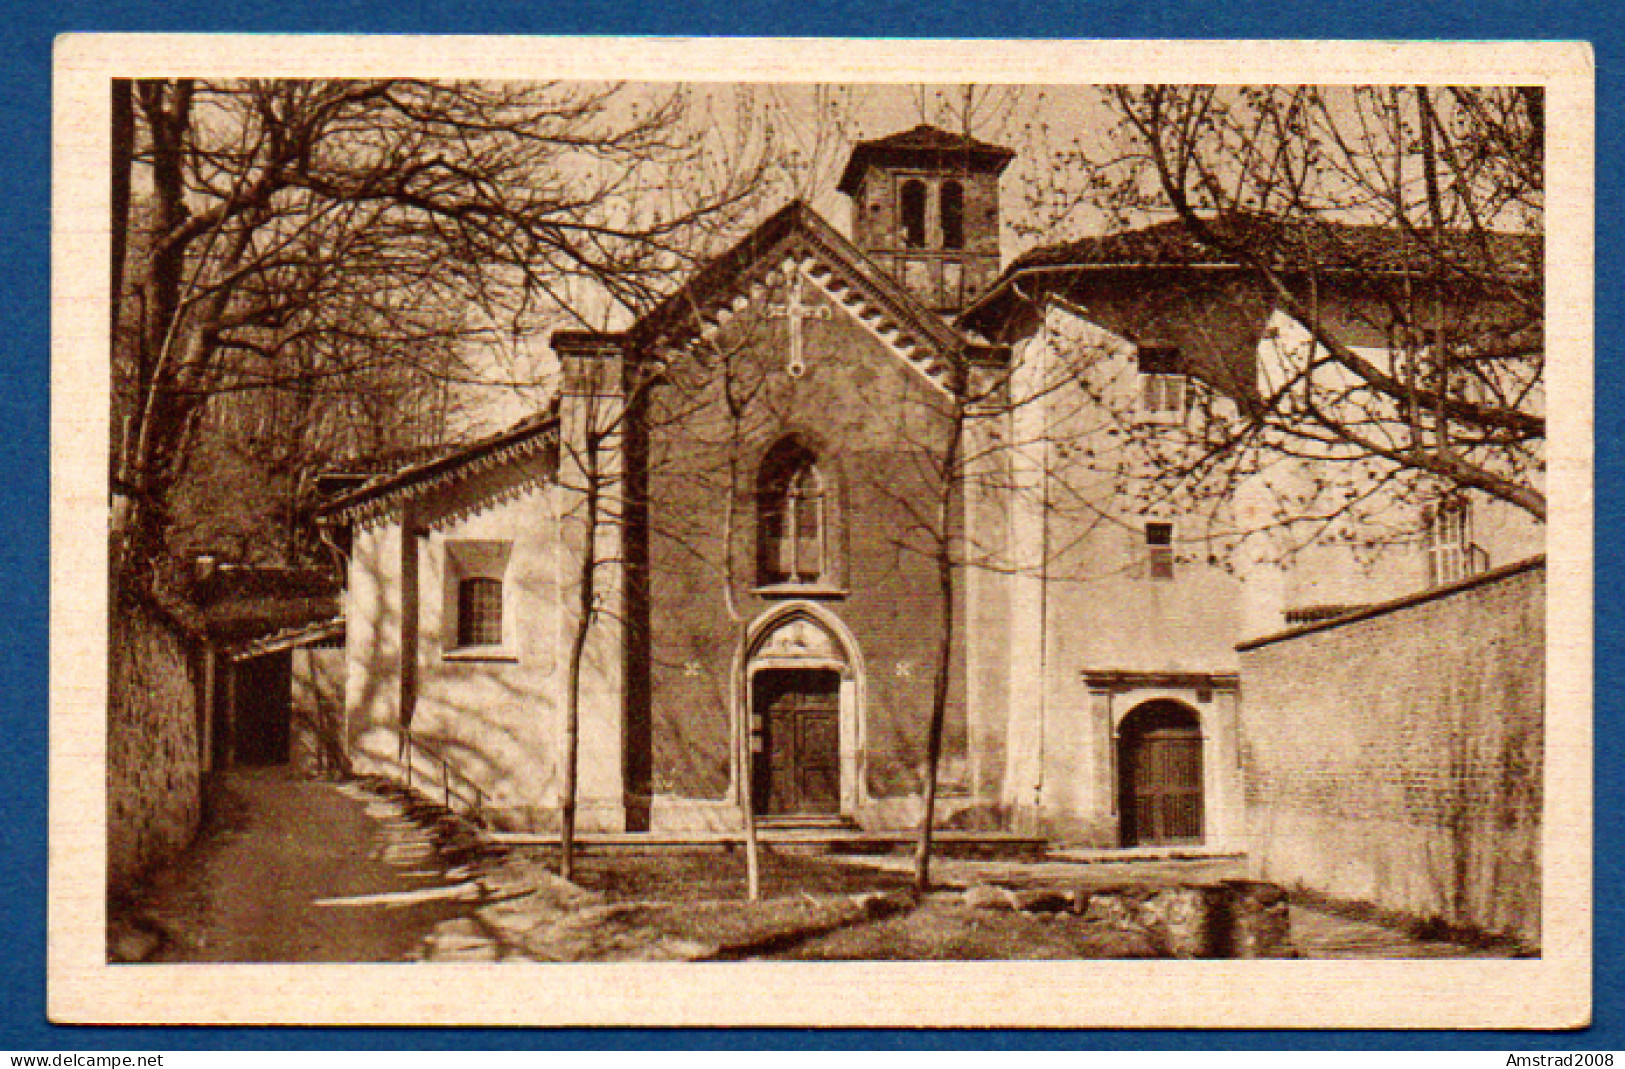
(599,531)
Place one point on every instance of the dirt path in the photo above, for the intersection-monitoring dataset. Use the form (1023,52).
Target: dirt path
(291,869)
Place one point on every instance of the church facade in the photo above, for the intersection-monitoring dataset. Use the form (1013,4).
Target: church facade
(818,474)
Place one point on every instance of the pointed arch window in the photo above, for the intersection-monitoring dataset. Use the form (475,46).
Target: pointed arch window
(953,215)
(913,213)
(793,523)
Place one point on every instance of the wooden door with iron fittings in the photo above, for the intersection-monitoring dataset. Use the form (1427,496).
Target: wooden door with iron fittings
(1160,765)
(797,748)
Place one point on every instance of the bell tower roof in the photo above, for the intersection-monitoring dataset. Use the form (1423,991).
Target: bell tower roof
(925,146)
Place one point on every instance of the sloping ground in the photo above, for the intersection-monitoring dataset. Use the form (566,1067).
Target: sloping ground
(1145,872)
(291,870)
(689,906)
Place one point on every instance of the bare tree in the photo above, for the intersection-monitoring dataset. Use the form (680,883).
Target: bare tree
(322,232)
(1397,230)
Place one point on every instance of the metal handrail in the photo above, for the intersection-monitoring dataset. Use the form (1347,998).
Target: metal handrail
(410,742)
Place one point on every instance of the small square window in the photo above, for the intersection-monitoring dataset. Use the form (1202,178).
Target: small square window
(475,595)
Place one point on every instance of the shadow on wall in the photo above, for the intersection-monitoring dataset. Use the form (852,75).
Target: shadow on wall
(317,711)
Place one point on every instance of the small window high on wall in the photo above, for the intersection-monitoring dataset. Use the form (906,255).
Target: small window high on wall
(793,519)
(1447,538)
(474,624)
(953,215)
(479,612)
(912,204)
(1163,385)
(1159,550)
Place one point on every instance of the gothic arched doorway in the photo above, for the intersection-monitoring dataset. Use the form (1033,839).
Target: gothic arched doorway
(802,734)
(1160,775)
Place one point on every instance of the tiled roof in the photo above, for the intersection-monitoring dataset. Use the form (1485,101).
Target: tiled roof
(1324,245)
(926,136)
(928,145)
(317,634)
(1291,247)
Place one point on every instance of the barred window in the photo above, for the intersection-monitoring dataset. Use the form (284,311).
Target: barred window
(479,612)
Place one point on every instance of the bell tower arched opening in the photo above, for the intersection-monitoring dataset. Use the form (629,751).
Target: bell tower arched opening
(925,208)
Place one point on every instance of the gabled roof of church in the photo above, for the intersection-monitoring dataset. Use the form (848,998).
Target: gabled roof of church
(925,144)
(852,279)
(1293,246)
(378,494)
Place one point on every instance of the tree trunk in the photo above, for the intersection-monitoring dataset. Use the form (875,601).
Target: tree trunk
(123,156)
(945,636)
(753,856)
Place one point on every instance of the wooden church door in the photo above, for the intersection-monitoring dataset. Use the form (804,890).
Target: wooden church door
(797,751)
(1160,762)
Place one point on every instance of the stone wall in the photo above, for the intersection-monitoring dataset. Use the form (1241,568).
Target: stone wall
(1395,757)
(153,753)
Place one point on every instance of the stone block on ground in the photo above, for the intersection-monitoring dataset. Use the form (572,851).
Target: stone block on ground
(742,929)
(517,875)
(130,941)
(1260,921)
(989,896)
(1187,921)
(461,939)
(610,933)
(877,904)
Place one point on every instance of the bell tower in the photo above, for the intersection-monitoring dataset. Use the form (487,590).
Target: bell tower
(925,207)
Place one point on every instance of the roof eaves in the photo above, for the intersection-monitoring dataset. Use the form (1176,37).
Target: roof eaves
(521,440)
(688,301)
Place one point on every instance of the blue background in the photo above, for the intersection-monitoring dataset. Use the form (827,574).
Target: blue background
(26,33)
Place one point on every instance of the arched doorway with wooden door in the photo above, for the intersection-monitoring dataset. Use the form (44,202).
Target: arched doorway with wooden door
(1159,761)
(803,721)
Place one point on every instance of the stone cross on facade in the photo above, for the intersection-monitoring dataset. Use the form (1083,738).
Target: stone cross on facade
(797,311)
